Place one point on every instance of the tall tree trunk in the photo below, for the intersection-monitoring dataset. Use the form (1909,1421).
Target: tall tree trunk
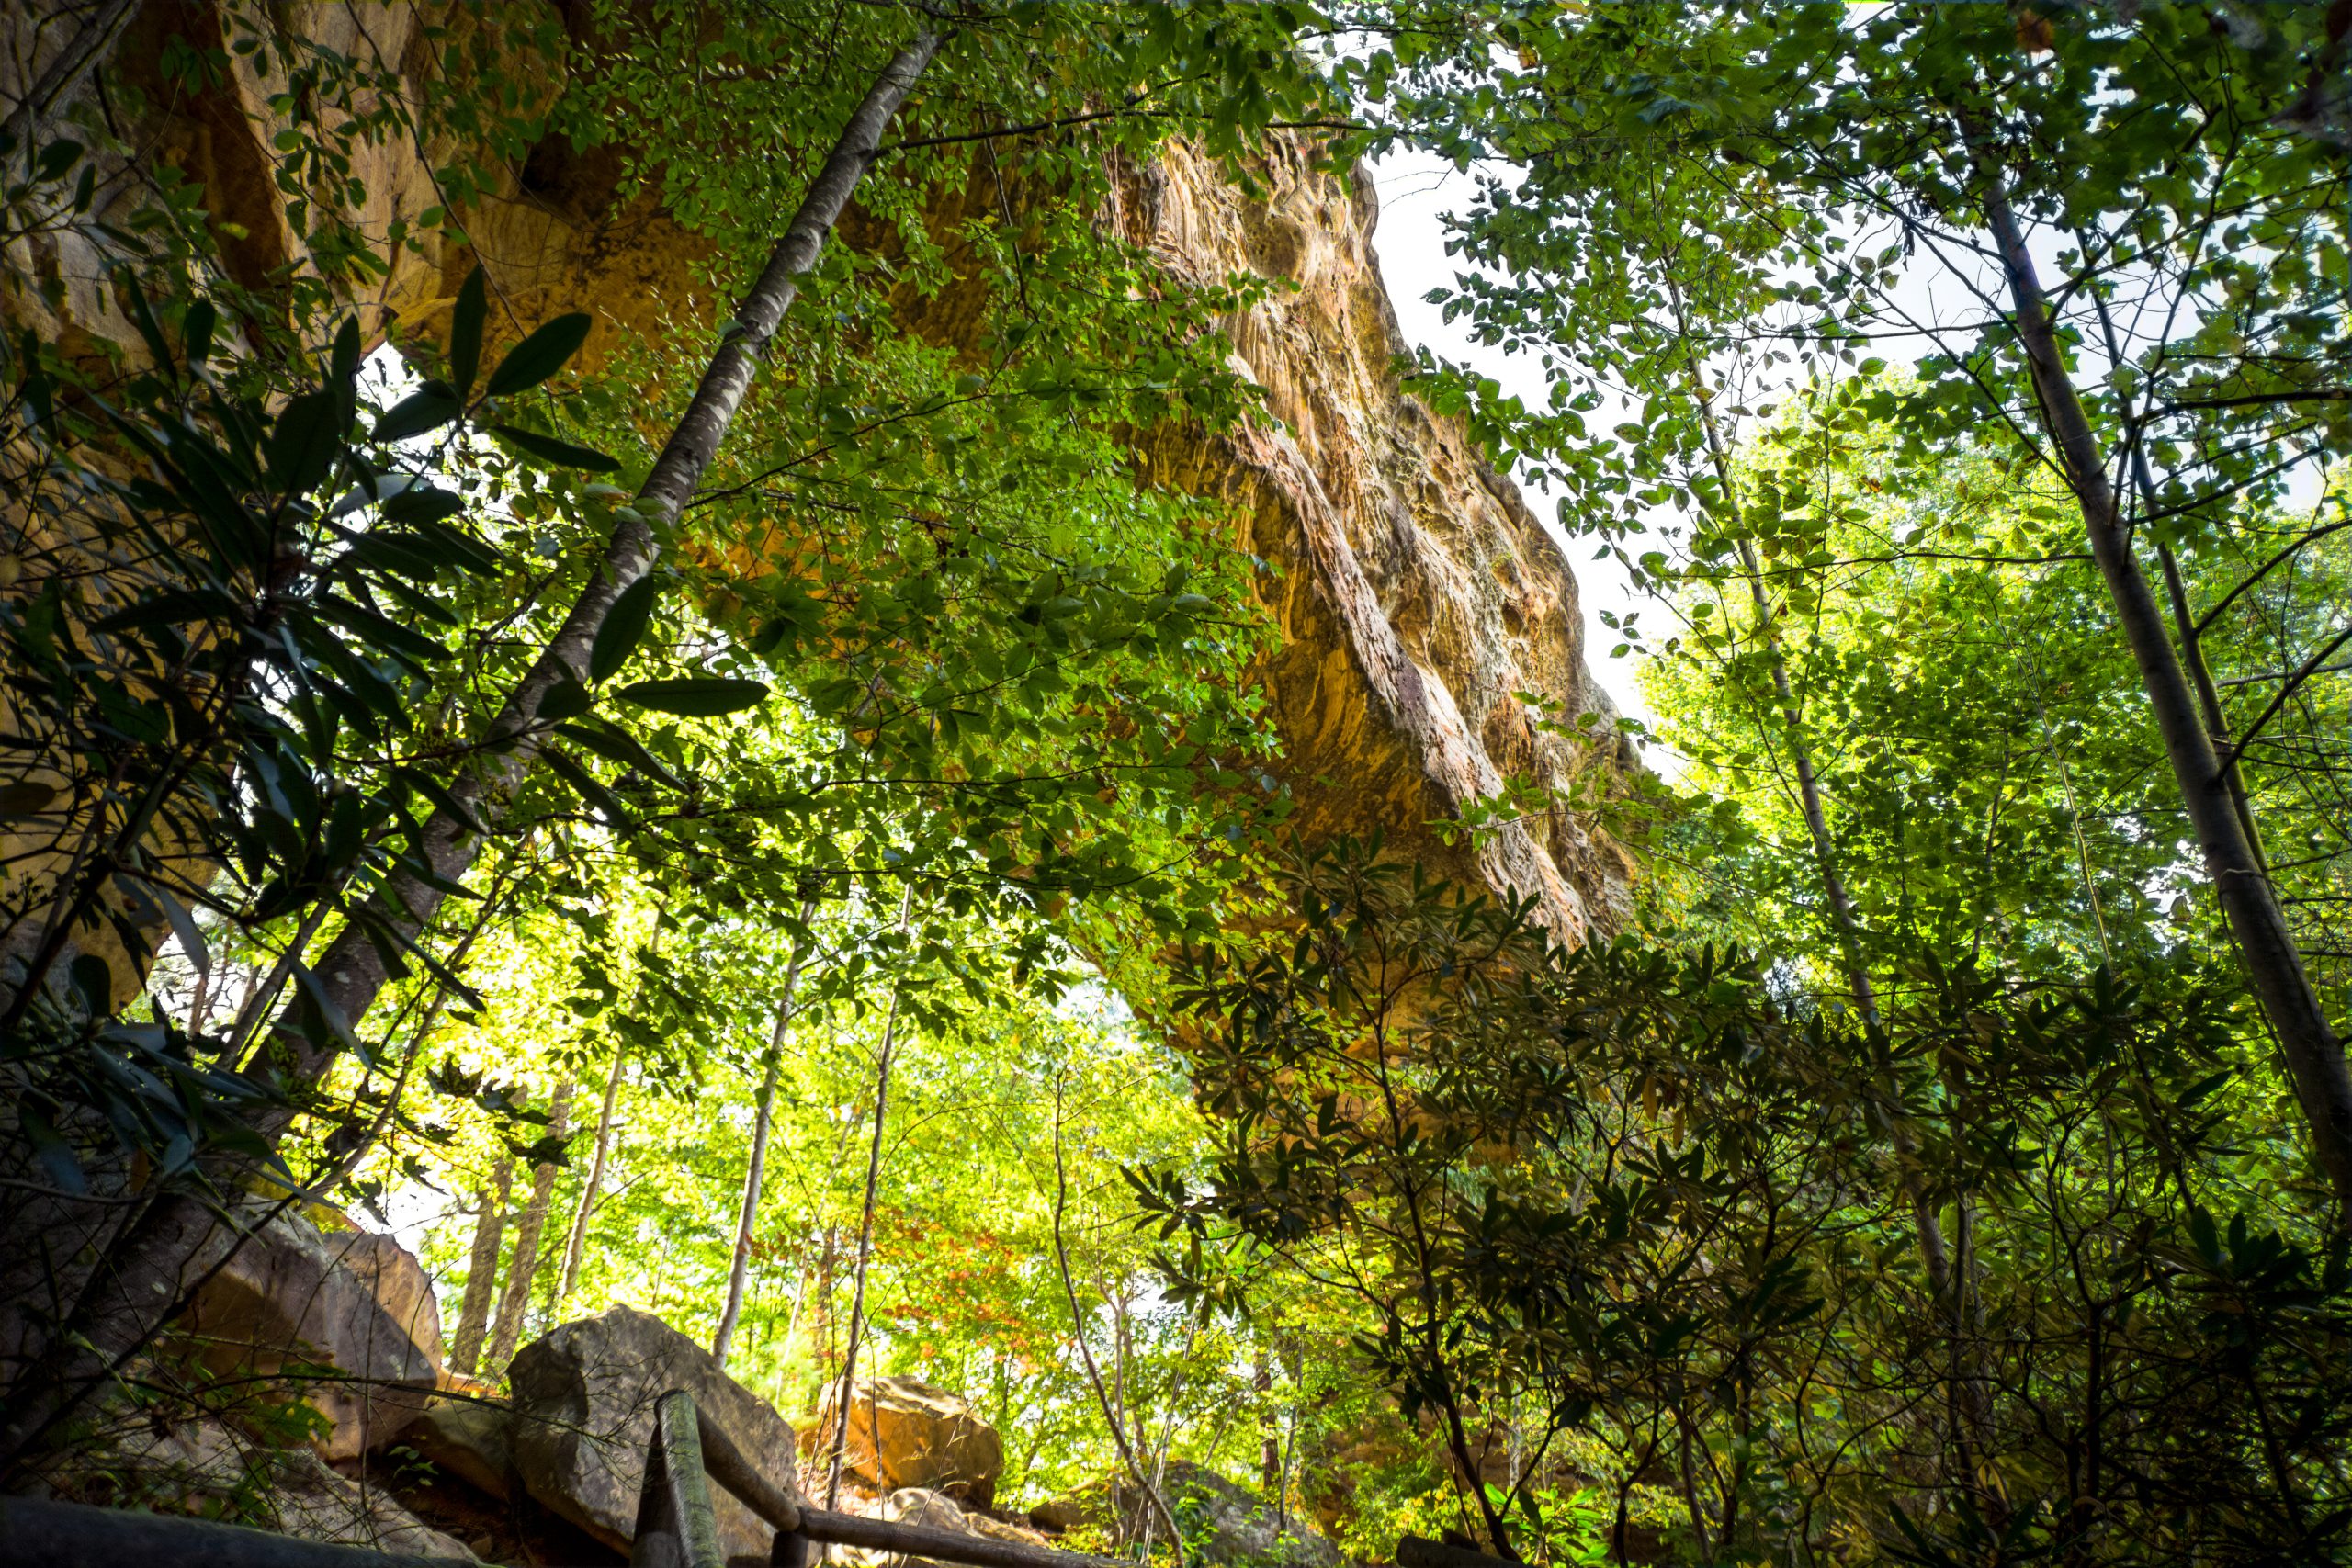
(1951,1288)
(864,1238)
(739,1269)
(1111,1407)
(1934,1252)
(514,1300)
(2184,625)
(174,1243)
(481,1270)
(820,1308)
(1270,1440)
(577,1244)
(2274,964)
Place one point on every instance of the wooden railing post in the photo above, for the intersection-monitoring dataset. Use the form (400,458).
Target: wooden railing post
(675,1526)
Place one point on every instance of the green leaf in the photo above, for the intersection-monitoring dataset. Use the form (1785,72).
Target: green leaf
(412,647)
(303,445)
(704,696)
(342,365)
(616,746)
(406,553)
(565,699)
(429,408)
(539,356)
(563,454)
(433,789)
(424,504)
(94,981)
(56,158)
(196,333)
(454,546)
(25,799)
(623,627)
(465,333)
(590,789)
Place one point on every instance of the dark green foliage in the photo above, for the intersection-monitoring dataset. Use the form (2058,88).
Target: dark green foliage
(1643,1198)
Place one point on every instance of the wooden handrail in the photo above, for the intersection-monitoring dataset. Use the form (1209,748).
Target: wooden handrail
(75,1535)
(779,1506)
(945,1545)
(710,1451)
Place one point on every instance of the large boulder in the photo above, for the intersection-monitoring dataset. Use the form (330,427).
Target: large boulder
(904,1433)
(931,1510)
(296,1296)
(470,1439)
(583,1403)
(203,1467)
(1224,1524)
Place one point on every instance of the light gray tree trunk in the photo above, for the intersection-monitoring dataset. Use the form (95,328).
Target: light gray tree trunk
(482,1270)
(577,1244)
(863,1255)
(514,1300)
(739,1270)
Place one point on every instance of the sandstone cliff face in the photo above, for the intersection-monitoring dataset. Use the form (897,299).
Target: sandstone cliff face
(1419,595)
(1414,592)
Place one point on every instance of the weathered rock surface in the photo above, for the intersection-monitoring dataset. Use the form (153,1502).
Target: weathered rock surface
(931,1510)
(355,1303)
(583,1400)
(1414,592)
(470,1440)
(904,1433)
(1224,1524)
(202,1467)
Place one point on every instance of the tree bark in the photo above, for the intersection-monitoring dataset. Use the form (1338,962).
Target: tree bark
(863,1255)
(514,1300)
(2274,964)
(482,1270)
(175,1244)
(577,1244)
(739,1269)
(80,51)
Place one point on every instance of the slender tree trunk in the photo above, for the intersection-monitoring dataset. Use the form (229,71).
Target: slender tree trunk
(1951,1287)
(1269,1443)
(482,1270)
(2192,641)
(820,1310)
(865,1240)
(175,1244)
(1144,1482)
(514,1300)
(80,53)
(576,1245)
(1933,1250)
(739,1269)
(2274,964)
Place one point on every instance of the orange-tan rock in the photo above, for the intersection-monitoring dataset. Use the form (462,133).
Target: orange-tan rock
(1415,594)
